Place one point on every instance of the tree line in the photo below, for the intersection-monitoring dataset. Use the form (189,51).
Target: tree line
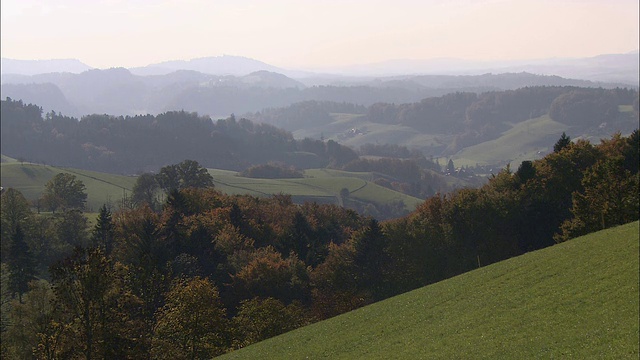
(208,273)
(145,143)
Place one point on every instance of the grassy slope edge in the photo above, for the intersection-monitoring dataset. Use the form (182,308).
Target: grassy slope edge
(578,299)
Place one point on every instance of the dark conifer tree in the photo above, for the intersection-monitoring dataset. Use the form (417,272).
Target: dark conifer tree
(102,236)
(451,169)
(370,258)
(562,143)
(525,172)
(22,267)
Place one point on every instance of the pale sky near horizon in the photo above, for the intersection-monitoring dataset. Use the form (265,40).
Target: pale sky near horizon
(307,34)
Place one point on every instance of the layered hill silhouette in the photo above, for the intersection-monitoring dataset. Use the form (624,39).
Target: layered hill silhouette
(219,86)
(120,91)
(622,68)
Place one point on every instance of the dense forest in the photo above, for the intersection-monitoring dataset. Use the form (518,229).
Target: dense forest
(131,145)
(208,273)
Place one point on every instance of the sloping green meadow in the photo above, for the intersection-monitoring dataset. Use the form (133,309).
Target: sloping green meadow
(30,180)
(527,140)
(575,300)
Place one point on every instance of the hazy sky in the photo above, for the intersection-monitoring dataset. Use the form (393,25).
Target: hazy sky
(314,33)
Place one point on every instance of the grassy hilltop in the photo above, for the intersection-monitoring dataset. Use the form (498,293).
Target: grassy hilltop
(319,185)
(578,300)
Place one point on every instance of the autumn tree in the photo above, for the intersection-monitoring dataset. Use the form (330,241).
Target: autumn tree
(334,283)
(610,198)
(138,245)
(32,323)
(259,319)
(550,196)
(96,306)
(299,239)
(268,274)
(64,191)
(192,323)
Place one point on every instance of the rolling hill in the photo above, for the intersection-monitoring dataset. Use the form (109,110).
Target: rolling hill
(355,130)
(578,299)
(318,185)
(30,180)
(530,139)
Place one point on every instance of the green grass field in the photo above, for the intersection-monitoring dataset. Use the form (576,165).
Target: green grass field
(6,159)
(318,185)
(30,179)
(373,133)
(575,300)
(528,140)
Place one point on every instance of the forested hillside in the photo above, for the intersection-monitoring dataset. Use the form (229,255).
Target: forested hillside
(208,272)
(128,145)
(463,119)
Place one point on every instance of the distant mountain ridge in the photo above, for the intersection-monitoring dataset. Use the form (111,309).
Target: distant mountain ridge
(35,67)
(619,68)
(218,65)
